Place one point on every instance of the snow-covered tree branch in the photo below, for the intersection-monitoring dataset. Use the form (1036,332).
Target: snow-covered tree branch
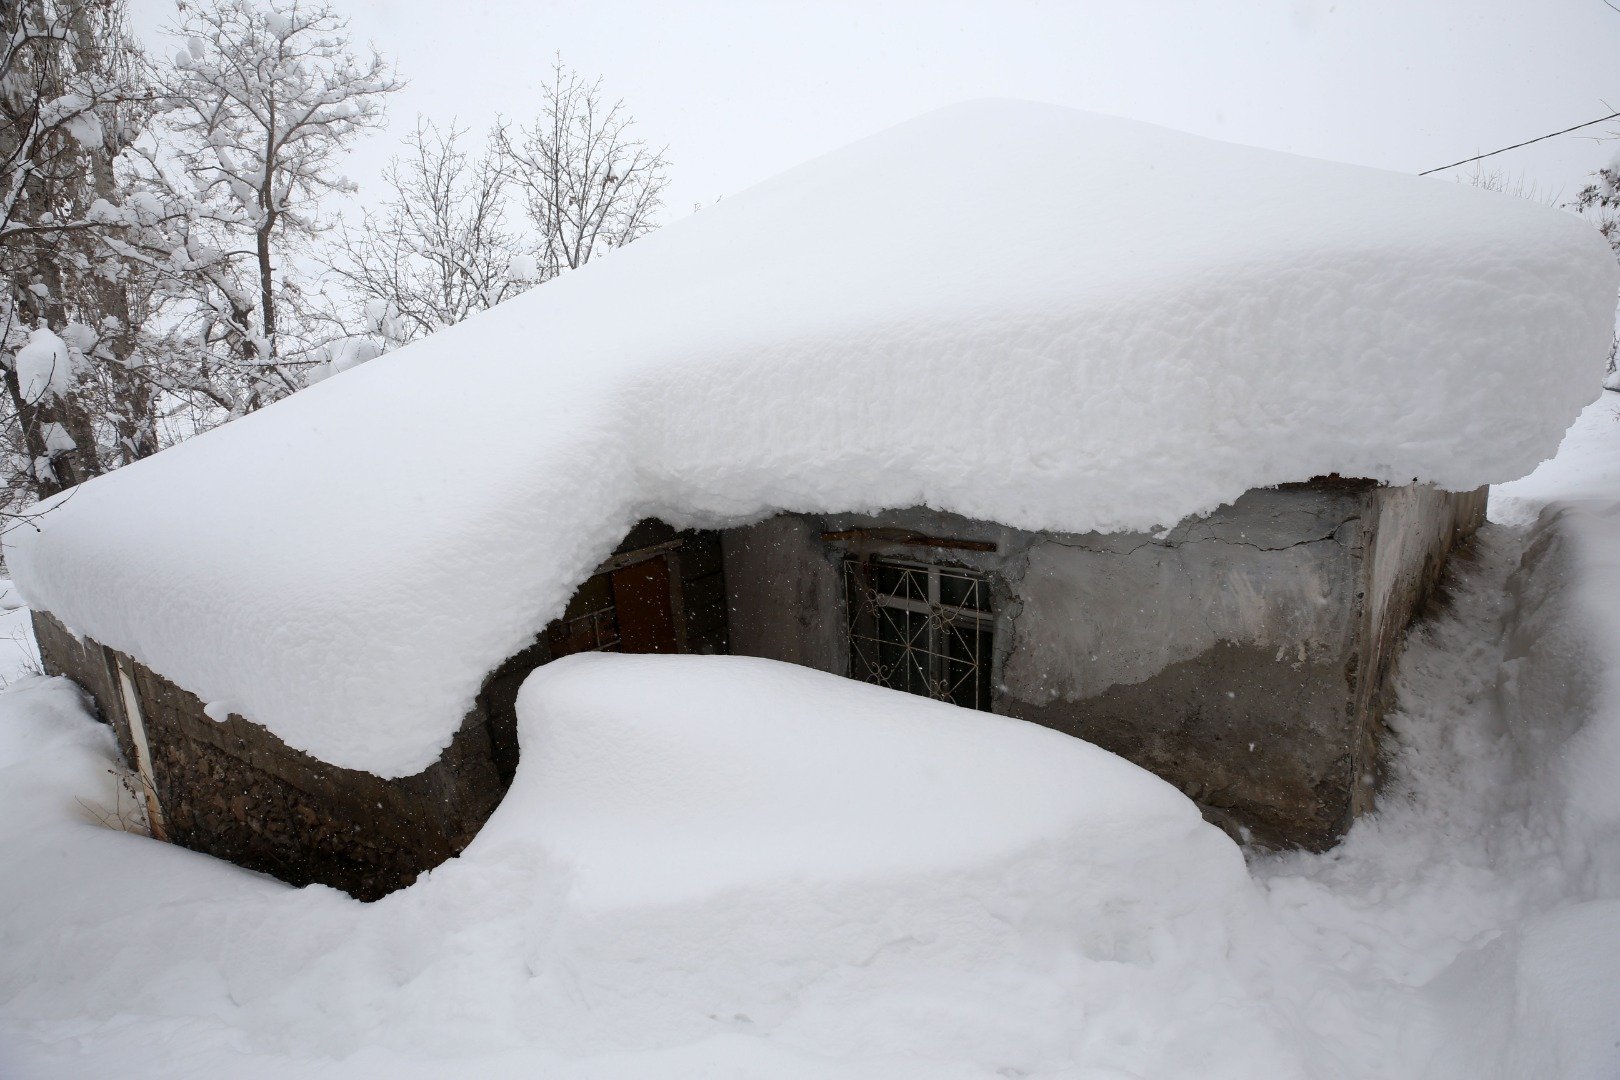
(72,94)
(265,101)
(588,185)
(439,248)
(150,217)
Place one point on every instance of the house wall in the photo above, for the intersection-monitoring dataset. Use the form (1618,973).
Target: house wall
(1237,656)
(232,789)
(699,600)
(1244,656)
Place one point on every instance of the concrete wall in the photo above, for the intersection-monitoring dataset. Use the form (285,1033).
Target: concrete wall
(1240,656)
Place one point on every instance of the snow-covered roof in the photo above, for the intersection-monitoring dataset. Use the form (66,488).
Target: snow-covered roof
(1012,311)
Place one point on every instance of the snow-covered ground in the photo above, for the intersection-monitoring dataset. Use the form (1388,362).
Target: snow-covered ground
(18,656)
(811,878)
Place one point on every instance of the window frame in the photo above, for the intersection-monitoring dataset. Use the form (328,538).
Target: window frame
(973,624)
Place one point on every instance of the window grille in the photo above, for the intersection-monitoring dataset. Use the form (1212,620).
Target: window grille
(591,623)
(594,631)
(920,628)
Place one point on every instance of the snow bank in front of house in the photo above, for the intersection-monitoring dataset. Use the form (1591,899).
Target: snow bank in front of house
(695,850)
(736,838)
(1015,312)
(669,779)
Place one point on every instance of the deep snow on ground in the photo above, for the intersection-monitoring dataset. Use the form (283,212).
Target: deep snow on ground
(680,888)
(18,656)
(1152,325)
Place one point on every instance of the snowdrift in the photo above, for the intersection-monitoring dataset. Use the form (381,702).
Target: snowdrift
(1015,312)
(1543,999)
(694,847)
(729,834)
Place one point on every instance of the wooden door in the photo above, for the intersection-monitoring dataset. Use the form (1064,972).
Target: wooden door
(646,613)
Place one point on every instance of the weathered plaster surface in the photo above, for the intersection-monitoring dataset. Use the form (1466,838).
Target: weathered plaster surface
(784,598)
(1275,572)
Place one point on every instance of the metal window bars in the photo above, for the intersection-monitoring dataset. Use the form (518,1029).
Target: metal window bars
(594,631)
(921,628)
(591,623)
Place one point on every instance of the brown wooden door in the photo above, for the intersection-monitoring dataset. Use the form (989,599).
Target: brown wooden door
(641,596)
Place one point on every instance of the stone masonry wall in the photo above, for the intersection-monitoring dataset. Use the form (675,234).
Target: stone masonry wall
(232,789)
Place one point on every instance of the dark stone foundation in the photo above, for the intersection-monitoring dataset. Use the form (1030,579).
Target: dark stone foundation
(234,790)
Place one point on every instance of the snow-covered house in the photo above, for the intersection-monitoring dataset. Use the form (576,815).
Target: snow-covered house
(1152,439)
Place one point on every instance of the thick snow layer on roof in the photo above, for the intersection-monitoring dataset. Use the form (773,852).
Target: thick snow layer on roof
(1015,312)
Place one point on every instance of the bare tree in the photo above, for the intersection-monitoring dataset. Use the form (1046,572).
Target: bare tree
(443,246)
(587,184)
(265,100)
(439,248)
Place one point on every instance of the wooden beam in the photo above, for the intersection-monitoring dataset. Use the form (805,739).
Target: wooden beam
(906,536)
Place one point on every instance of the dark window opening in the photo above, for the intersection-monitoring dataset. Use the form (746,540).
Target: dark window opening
(921,628)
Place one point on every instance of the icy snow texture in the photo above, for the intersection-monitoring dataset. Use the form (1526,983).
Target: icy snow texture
(1015,312)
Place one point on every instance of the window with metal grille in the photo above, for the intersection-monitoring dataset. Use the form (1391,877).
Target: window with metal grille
(921,628)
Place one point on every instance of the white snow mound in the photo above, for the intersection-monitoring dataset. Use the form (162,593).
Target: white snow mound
(726,835)
(693,847)
(664,779)
(1012,311)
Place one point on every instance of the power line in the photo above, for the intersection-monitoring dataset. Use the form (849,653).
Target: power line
(1515,146)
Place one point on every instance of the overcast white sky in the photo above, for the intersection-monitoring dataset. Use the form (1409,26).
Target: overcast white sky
(741,90)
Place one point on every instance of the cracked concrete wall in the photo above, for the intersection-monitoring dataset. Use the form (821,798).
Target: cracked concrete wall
(1241,655)
(1275,571)
(783,594)
(1222,656)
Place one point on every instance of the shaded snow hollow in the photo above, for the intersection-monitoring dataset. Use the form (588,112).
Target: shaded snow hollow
(1015,312)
